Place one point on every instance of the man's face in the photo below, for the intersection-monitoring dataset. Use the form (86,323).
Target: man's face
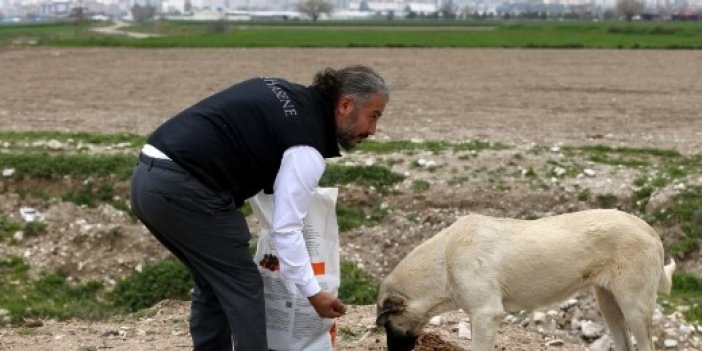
(356,121)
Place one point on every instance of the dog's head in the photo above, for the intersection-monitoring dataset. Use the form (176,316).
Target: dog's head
(400,327)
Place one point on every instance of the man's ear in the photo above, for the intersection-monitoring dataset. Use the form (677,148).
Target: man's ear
(344,105)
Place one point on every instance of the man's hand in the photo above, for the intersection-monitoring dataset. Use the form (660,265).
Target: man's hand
(327,305)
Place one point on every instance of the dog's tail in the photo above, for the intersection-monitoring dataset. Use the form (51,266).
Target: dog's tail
(666,280)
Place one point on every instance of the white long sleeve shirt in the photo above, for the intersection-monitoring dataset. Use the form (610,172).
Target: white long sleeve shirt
(298,176)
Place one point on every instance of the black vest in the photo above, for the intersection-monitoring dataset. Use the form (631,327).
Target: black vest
(234,140)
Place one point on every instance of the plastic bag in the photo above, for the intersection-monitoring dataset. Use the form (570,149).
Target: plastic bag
(292,324)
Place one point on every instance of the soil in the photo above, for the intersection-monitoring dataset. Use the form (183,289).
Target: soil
(520,98)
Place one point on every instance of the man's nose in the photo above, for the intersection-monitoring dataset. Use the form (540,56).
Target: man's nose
(371,129)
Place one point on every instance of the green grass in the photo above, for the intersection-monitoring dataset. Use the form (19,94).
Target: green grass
(356,288)
(48,296)
(657,167)
(85,137)
(53,166)
(351,217)
(687,212)
(91,196)
(66,30)
(8,227)
(166,279)
(420,186)
(434,146)
(687,290)
(51,295)
(376,176)
(505,34)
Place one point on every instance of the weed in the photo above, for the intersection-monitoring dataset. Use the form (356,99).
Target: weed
(687,290)
(435,147)
(51,295)
(377,176)
(458,180)
(24,331)
(687,211)
(78,137)
(166,279)
(33,228)
(8,228)
(606,201)
(114,235)
(346,331)
(584,195)
(46,166)
(529,172)
(420,186)
(89,196)
(356,288)
(353,217)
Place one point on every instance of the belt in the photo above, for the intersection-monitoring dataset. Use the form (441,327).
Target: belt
(161,163)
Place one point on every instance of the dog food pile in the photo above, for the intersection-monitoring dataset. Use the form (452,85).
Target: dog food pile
(433,342)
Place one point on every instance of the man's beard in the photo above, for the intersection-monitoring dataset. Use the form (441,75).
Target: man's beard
(345,133)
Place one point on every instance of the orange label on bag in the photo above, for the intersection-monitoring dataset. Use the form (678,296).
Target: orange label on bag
(318,268)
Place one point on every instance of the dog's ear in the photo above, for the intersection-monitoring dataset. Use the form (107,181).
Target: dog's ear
(392,304)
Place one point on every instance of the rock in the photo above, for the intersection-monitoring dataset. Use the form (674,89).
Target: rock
(590,329)
(8,172)
(555,342)
(588,172)
(54,144)
(538,317)
(464,331)
(602,344)
(670,343)
(435,321)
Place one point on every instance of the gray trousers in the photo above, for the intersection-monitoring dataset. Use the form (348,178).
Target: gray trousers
(210,236)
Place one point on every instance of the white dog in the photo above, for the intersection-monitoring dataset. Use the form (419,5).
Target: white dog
(487,266)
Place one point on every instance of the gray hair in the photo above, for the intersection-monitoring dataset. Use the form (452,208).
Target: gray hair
(358,81)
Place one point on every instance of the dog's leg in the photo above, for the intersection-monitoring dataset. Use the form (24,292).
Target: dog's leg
(613,318)
(637,309)
(639,322)
(481,298)
(484,323)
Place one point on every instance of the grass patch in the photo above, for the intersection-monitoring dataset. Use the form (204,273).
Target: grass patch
(33,228)
(354,216)
(74,138)
(47,166)
(407,146)
(395,33)
(356,288)
(49,296)
(687,290)
(166,279)
(606,201)
(8,228)
(65,30)
(420,186)
(53,296)
(687,211)
(625,156)
(91,195)
(379,177)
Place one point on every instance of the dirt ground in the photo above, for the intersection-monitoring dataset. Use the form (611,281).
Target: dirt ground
(617,97)
(517,97)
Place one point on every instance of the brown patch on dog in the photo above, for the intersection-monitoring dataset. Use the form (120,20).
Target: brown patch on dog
(434,342)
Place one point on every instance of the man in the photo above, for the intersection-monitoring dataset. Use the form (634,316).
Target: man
(197,169)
